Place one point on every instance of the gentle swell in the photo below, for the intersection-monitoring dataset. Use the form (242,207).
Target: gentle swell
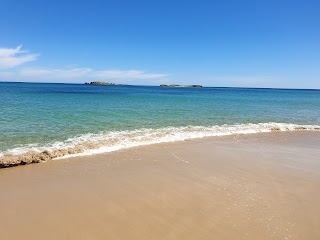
(111,141)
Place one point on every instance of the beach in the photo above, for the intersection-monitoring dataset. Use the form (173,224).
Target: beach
(253,186)
(159,120)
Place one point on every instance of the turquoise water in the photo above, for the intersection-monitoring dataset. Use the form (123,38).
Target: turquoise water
(34,115)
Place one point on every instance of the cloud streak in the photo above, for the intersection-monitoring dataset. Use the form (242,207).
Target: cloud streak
(10,58)
(13,57)
(75,73)
(80,75)
(131,74)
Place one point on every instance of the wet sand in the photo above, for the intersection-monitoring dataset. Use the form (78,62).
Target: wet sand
(260,186)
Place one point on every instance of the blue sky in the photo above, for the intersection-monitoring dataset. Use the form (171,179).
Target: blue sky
(213,43)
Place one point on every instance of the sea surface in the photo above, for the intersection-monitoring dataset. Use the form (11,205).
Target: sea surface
(88,119)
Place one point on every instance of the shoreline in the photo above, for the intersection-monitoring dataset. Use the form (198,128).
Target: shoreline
(257,186)
(91,144)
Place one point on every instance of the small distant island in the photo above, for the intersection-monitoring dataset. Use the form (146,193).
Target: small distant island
(184,86)
(103,83)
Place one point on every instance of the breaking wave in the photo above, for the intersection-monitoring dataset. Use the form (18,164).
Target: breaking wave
(89,144)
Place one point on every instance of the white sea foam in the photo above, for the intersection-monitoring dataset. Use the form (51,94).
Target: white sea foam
(89,144)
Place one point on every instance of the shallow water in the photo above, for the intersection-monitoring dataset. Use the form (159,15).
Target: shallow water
(37,116)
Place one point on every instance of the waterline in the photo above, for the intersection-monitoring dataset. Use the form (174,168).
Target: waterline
(89,144)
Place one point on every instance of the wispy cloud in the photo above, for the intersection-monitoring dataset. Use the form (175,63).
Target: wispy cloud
(54,74)
(80,75)
(12,57)
(131,74)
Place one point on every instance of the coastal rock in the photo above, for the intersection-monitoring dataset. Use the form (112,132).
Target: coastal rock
(103,83)
(181,86)
(99,83)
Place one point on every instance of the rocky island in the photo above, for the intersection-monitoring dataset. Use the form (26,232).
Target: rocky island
(103,83)
(99,83)
(184,86)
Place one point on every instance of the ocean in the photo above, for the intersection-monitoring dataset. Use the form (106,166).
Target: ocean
(73,119)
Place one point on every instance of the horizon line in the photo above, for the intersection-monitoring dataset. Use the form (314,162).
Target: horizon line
(281,88)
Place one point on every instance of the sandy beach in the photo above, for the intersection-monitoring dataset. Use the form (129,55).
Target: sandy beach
(259,186)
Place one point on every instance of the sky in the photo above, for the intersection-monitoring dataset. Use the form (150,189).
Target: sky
(227,43)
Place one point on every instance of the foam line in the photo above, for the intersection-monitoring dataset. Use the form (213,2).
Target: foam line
(89,144)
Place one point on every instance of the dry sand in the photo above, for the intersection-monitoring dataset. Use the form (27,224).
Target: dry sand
(261,186)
